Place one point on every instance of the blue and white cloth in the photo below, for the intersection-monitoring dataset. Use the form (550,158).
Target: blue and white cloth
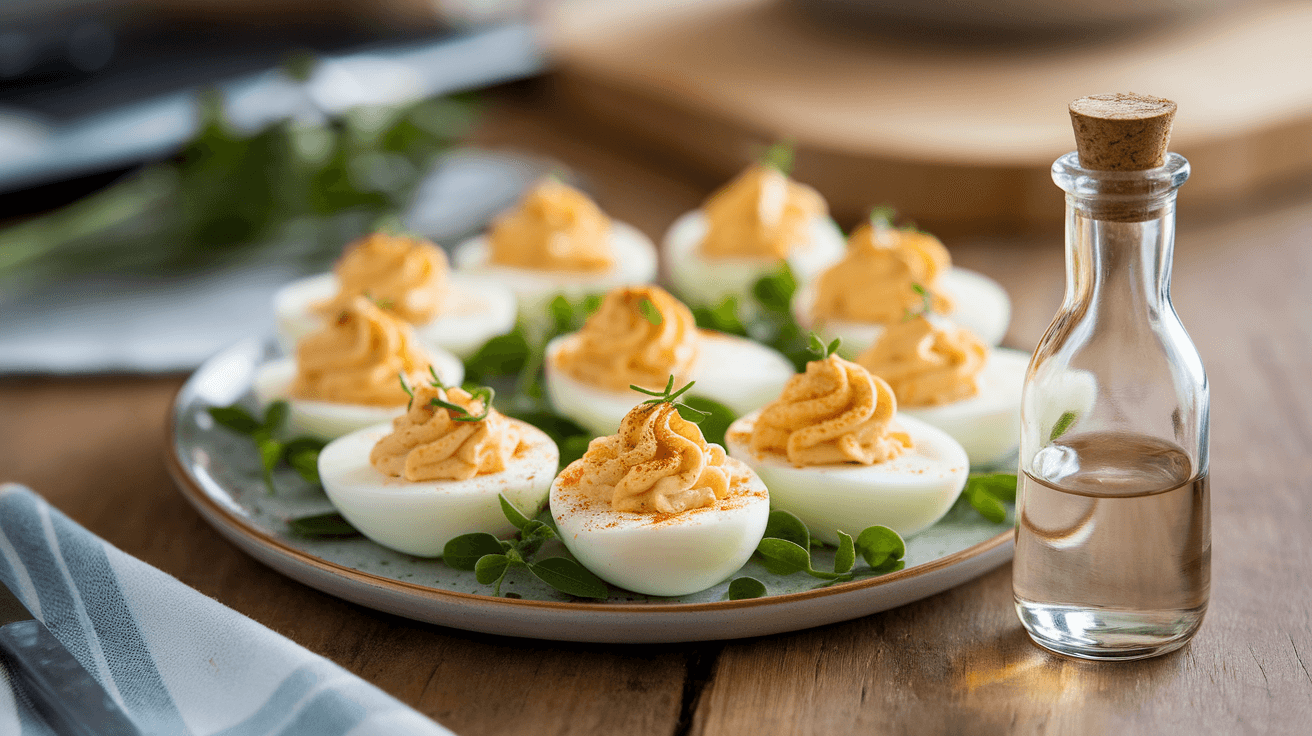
(176,661)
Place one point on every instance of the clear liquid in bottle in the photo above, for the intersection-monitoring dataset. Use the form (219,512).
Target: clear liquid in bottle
(1113,546)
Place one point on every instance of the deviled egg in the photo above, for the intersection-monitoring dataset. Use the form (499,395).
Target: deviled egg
(435,472)
(642,336)
(744,231)
(557,241)
(833,451)
(657,510)
(948,377)
(408,277)
(346,375)
(889,272)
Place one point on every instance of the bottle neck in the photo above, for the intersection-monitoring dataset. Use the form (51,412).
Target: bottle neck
(1118,265)
(1120,234)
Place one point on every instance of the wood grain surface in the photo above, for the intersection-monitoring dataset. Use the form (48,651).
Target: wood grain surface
(955,663)
(958,135)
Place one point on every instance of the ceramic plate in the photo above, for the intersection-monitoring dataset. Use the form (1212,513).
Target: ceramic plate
(219,474)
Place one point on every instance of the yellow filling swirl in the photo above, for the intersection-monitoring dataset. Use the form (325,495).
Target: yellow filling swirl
(429,442)
(356,356)
(875,282)
(761,214)
(639,336)
(926,364)
(657,462)
(835,412)
(405,276)
(555,228)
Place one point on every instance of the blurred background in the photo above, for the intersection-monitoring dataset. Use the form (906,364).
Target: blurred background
(166,164)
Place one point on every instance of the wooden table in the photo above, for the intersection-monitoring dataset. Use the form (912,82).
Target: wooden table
(955,663)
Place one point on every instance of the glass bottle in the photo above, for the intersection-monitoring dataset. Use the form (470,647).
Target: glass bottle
(1113,539)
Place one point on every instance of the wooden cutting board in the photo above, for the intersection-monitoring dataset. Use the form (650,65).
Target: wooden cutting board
(952,136)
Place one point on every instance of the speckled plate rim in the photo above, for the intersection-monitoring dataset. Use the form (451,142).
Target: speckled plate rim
(618,622)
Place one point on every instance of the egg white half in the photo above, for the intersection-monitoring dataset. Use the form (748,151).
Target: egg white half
(701,281)
(664,554)
(474,311)
(906,494)
(981,306)
(328,420)
(419,518)
(635,264)
(737,372)
(988,424)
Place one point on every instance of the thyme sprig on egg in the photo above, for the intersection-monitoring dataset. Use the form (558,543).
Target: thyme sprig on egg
(458,413)
(670,396)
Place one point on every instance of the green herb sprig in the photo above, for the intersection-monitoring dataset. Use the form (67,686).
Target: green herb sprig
(987,492)
(780,157)
(301,453)
(670,396)
(926,303)
(460,413)
(491,558)
(883,217)
(821,350)
(650,312)
(786,550)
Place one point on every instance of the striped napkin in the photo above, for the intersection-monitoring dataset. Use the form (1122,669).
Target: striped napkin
(177,661)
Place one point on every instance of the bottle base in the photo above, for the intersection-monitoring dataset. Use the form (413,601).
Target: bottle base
(1108,634)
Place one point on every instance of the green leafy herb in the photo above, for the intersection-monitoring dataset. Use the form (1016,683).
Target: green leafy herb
(461,414)
(821,350)
(301,453)
(650,312)
(785,550)
(504,355)
(988,492)
(926,303)
(883,217)
(1064,423)
(670,396)
(772,321)
(406,388)
(722,318)
(569,577)
(744,588)
(298,187)
(323,526)
(780,157)
(881,547)
(491,558)
(711,416)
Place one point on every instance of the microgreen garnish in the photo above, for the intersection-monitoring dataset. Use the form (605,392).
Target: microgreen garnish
(987,493)
(780,157)
(926,303)
(460,413)
(381,303)
(822,350)
(786,549)
(670,396)
(406,388)
(323,526)
(882,217)
(650,311)
(491,558)
(1064,423)
(301,453)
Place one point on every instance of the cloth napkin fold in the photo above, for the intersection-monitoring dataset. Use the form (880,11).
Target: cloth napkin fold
(176,661)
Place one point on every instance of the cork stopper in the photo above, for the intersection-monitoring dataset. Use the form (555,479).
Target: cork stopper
(1122,132)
